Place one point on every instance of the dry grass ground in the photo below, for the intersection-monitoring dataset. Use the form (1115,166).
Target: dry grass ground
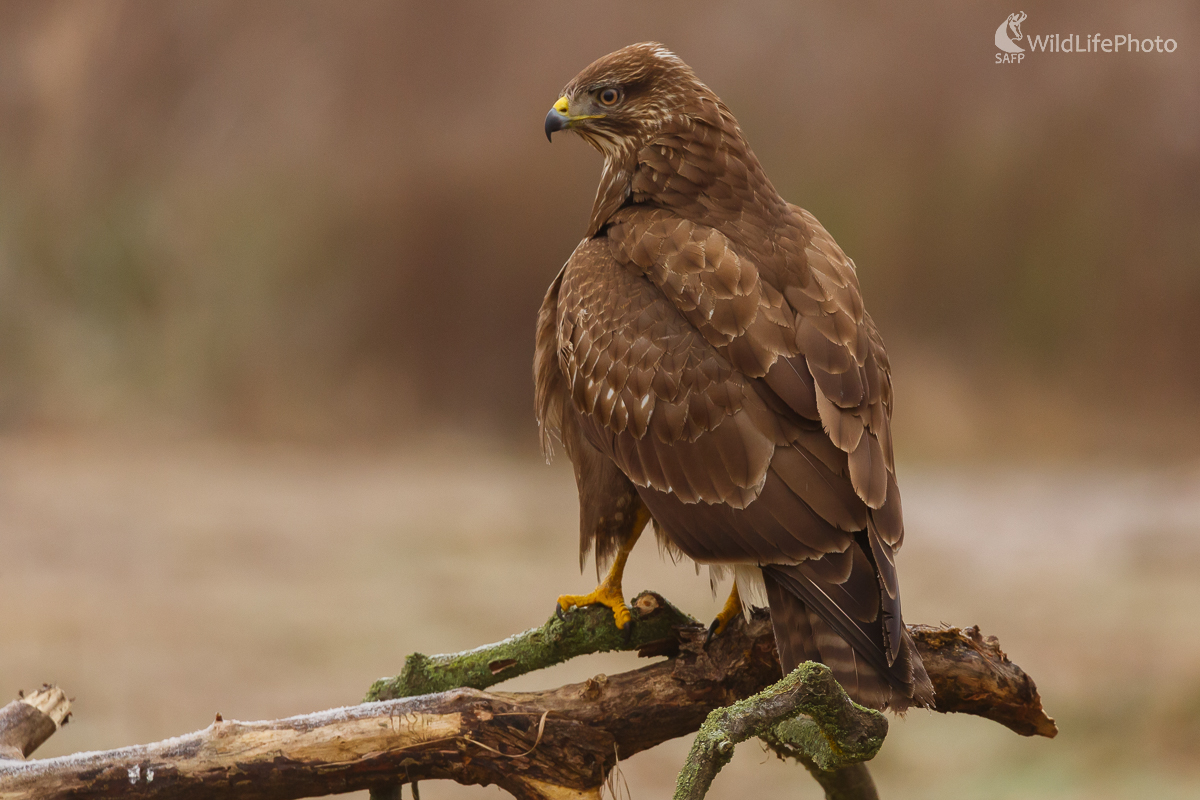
(161,583)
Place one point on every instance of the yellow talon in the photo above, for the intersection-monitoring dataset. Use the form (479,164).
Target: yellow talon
(609,592)
(606,594)
(732,609)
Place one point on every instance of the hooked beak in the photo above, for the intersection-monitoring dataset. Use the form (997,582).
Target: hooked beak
(557,119)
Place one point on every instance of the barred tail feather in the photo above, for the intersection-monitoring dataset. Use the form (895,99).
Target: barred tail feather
(856,657)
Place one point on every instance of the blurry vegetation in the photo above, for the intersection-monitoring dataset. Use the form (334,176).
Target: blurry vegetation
(315,219)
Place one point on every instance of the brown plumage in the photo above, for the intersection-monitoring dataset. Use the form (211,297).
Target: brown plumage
(705,355)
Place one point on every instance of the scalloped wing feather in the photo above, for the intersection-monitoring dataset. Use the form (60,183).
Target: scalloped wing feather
(670,409)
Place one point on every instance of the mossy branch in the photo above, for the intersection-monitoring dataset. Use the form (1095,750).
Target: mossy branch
(836,733)
(583,631)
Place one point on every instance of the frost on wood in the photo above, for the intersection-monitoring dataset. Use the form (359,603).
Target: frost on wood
(315,754)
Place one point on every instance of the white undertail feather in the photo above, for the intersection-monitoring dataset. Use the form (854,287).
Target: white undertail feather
(748,579)
(750,585)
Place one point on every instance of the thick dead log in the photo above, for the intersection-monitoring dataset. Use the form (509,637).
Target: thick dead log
(560,743)
(28,721)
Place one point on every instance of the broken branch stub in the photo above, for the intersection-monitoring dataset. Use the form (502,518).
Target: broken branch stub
(27,722)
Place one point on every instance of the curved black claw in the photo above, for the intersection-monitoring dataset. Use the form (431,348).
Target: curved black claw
(712,631)
(558,610)
(627,630)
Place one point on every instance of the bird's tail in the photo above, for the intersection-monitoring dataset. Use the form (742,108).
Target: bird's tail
(809,626)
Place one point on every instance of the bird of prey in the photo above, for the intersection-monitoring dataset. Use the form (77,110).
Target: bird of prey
(706,361)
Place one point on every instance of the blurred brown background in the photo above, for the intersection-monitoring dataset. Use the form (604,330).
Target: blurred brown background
(268,275)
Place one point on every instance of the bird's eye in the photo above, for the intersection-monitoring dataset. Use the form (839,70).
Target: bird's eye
(610,96)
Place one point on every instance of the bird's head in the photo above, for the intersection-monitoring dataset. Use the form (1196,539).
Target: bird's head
(621,101)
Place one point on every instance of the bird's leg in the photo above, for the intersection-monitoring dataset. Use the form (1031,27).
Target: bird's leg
(732,608)
(609,592)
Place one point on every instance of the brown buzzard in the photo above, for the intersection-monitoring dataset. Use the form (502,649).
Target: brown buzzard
(705,359)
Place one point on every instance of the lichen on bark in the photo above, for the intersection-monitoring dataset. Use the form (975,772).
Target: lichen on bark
(561,638)
(835,734)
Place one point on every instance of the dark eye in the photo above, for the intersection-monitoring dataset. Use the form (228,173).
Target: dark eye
(609,96)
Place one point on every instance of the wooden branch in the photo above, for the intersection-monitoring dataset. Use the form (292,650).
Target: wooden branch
(836,734)
(582,632)
(28,721)
(852,782)
(560,743)
(553,744)
(463,735)
(972,675)
(796,738)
